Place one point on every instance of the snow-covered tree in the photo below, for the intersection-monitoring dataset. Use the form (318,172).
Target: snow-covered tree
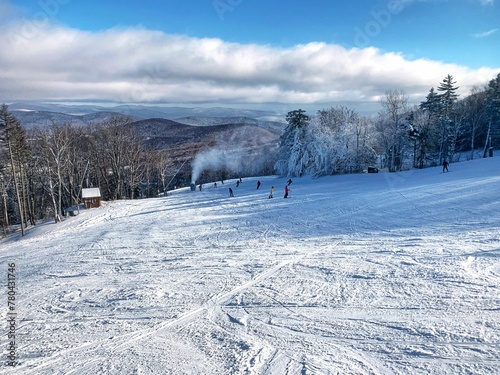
(448,127)
(334,141)
(423,128)
(347,137)
(293,153)
(493,109)
(472,117)
(392,128)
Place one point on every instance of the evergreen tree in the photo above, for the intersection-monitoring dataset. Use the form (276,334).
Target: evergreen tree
(13,143)
(423,128)
(297,119)
(448,127)
(432,103)
(293,158)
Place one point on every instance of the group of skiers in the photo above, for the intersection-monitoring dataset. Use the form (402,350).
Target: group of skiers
(271,192)
(287,189)
(259,184)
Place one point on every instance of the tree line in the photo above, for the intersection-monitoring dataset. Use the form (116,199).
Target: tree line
(442,128)
(43,170)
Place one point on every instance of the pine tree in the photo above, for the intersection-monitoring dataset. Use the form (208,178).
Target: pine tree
(292,153)
(448,128)
(432,103)
(297,119)
(13,141)
(423,129)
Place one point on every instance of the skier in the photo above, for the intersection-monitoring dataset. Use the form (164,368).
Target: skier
(215,184)
(287,190)
(289,182)
(258,185)
(271,193)
(200,186)
(237,183)
(445,166)
(231,192)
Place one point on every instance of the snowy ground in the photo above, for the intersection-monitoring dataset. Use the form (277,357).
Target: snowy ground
(360,274)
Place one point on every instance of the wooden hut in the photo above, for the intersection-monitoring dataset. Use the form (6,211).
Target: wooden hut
(91,197)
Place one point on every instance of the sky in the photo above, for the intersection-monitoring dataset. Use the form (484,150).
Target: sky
(242,53)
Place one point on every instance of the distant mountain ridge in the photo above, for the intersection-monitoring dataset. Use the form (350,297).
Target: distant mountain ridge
(242,120)
(184,141)
(42,115)
(30,119)
(145,112)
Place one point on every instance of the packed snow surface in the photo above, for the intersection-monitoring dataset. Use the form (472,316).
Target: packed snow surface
(357,274)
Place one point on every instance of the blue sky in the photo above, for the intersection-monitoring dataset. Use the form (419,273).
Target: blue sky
(426,39)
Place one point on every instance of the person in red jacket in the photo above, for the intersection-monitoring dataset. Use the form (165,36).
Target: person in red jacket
(287,190)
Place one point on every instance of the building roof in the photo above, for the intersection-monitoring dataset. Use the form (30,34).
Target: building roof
(91,193)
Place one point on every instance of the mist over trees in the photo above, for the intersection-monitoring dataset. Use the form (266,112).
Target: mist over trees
(43,170)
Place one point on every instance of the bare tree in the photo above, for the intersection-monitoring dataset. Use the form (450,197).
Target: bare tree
(493,108)
(118,152)
(135,162)
(392,128)
(54,144)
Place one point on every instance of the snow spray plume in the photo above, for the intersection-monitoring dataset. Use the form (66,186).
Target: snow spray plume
(214,159)
(240,151)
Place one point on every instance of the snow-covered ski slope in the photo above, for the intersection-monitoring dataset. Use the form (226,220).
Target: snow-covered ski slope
(356,274)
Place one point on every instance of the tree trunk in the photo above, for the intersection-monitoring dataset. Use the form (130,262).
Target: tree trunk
(485,152)
(18,195)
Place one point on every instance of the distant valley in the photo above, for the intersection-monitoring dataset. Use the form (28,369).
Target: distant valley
(183,132)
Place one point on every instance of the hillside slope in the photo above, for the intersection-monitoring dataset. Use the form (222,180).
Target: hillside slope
(184,142)
(357,274)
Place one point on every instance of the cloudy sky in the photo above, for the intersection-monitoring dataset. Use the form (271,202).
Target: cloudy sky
(244,53)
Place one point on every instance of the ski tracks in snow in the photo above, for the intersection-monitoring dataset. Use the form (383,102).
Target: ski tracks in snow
(92,353)
(321,282)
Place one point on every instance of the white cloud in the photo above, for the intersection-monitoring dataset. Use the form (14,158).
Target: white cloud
(485,34)
(138,65)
